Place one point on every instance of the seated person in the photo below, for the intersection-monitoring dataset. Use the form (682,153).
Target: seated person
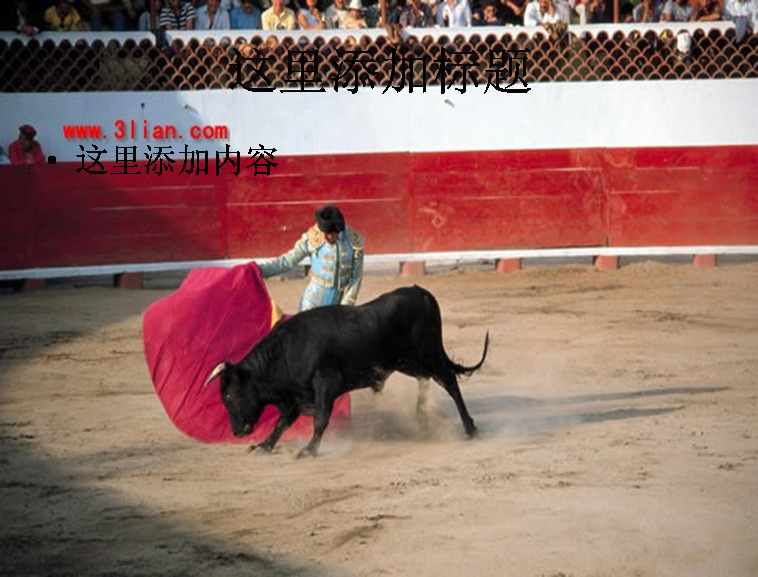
(512,11)
(487,15)
(246,16)
(706,11)
(545,12)
(354,19)
(178,15)
(309,17)
(211,17)
(63,17)
(591,12)
(392,11)
(26,150)
(454,14)
(23,18)
(144,23)
(335,14)
(648,11)
(113,10)
(278,17)
(676,11)
(744,14)
(416,14)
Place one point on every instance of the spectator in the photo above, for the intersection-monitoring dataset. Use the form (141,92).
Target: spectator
(487,15)
(354,18)
(26,150)
(416,14)
(392,11)
(372,14)
(133,10)
(113,10)
(546,13)
(335,14)
(676,11)
(278,17)
(591,11)
(744,14)
(144,22)
(706,11)
(454,14)
(211,17)
(19,18)
(336,256)
(512,11)
(178,15)
(309,17)
(648,11)
(626,13)
(4,160)
(551,15)
(63,17)
(245,16)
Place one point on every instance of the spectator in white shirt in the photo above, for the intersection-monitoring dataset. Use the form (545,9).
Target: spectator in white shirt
(744,14)
(335,14)
(545,12)
(454,14)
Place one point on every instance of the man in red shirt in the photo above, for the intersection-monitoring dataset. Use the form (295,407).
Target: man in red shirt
(26,150)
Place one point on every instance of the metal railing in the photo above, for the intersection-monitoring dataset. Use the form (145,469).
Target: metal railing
(139,61)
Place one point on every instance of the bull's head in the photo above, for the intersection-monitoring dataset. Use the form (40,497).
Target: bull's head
(239,397)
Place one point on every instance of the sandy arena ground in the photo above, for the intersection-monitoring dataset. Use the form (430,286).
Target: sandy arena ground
(619,437)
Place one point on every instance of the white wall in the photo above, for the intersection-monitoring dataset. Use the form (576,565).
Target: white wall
(551,115)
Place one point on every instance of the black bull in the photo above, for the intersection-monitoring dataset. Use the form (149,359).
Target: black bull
(305,363)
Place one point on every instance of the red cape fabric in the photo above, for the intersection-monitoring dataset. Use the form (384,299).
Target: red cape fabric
(216,315)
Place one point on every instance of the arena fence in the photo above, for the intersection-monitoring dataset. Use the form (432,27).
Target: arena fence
(303,60)
(494,206)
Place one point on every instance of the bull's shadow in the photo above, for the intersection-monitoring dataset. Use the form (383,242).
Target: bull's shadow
(518,416)
(512,402)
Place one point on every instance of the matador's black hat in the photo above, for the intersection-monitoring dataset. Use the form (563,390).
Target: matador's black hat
(330,219)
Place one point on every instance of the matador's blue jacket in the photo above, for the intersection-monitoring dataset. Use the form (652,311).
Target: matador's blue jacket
(336,269)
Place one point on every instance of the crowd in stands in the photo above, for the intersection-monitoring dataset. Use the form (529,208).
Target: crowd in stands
(31,16)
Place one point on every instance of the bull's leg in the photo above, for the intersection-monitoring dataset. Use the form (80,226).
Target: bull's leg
(449,382)
(422,404)
(324,385)
(287,416)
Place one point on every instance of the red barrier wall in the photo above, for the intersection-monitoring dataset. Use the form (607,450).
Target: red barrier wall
(402,202)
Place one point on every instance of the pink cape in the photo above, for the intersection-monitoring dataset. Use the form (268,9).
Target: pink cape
(216,315)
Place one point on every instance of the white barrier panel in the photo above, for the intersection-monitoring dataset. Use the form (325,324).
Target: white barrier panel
(551,116)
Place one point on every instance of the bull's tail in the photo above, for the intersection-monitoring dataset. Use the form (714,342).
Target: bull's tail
(468,371)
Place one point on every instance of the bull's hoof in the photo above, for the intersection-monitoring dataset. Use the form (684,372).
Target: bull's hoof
(472,432)
(252,447)
(307,452)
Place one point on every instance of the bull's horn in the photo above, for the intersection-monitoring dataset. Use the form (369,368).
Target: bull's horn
(216,372)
